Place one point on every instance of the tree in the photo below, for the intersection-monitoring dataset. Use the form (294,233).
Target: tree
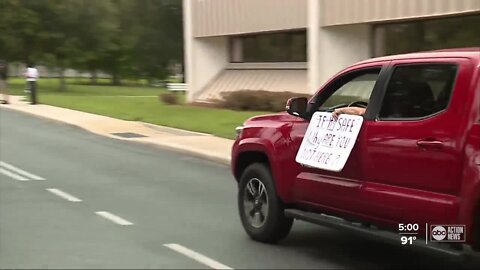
(125,38)
(20,28)
(116,57)
(160,39)
(60,43)
(97,23)
(40,31)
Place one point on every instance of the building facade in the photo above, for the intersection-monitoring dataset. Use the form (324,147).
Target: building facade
(296,45)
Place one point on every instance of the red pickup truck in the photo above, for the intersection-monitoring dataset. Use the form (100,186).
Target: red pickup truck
(415,163)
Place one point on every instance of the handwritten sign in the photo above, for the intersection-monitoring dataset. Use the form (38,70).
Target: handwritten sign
(328,142)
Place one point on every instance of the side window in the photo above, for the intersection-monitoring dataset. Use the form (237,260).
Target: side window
(352,88)
(416,91)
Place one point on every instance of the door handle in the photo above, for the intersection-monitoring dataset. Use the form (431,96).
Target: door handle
(434,144)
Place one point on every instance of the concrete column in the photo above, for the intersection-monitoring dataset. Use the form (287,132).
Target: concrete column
(205,57)
(313,45)
(342,46)
(209,58)
(332,48)
(187,46)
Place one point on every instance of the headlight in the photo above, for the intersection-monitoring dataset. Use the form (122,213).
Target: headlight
(239,130)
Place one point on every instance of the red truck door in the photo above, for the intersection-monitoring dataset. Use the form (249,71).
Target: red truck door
(413,152)
(336,190)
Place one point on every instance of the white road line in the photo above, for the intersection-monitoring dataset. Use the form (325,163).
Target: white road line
(197,256)
(114,218)
(13,175)
(64,195)
(20,171)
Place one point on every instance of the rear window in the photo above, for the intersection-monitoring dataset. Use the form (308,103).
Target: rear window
(416,91)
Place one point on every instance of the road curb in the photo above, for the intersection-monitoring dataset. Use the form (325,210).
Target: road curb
(171,147)
(213,158)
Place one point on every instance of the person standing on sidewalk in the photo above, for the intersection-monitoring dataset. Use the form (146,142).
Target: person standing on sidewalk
(3,81)
(32,76)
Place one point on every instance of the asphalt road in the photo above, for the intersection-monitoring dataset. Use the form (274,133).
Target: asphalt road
(160,197)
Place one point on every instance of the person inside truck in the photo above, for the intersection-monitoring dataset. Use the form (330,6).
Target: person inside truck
(351,97)
(404,98)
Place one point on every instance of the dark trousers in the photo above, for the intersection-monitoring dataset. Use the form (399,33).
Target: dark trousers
(33,92)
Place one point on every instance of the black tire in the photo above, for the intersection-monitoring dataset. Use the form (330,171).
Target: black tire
(274,226)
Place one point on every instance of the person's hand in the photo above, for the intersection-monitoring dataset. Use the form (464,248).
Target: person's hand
(348,110)
(336,113)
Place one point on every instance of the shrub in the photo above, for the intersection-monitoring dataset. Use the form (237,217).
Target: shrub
(169,98)
(259,100)
(212,103)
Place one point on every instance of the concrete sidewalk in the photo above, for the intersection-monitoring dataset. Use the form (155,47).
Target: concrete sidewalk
(198,144)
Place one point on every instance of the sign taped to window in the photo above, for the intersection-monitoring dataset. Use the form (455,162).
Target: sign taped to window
(328,143)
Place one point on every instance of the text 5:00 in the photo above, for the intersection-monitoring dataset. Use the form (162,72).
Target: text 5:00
(408,227)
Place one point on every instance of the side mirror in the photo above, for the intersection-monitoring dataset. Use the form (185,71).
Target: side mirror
(297,106)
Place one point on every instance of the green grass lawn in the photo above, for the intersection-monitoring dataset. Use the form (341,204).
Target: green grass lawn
(16,86)
(138,104)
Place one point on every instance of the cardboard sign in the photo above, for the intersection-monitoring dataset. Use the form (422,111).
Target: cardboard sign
(328,142)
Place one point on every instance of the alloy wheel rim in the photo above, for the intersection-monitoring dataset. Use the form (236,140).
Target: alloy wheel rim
(255,203)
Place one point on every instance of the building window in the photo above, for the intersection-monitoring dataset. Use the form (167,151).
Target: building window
(406,37)
(277,47)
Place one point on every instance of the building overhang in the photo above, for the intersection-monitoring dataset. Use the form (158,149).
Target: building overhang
(237,17)
(342,12)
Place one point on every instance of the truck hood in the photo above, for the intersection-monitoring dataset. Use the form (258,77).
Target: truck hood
(269,120)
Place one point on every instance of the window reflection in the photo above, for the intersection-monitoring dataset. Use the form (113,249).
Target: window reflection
(424,35)
(276,47)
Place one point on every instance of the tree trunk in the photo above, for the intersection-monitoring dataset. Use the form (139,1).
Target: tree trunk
(183,71)
(63,85)
(115,79)
(93,77)
(18,72)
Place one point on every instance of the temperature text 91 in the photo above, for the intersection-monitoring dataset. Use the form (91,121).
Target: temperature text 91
(408,240)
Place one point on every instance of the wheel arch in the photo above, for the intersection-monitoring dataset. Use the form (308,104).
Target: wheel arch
(247,158)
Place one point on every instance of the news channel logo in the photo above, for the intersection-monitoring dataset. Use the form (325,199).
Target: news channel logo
(447,233)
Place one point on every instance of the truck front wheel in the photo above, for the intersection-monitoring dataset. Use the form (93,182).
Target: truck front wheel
(261,211)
